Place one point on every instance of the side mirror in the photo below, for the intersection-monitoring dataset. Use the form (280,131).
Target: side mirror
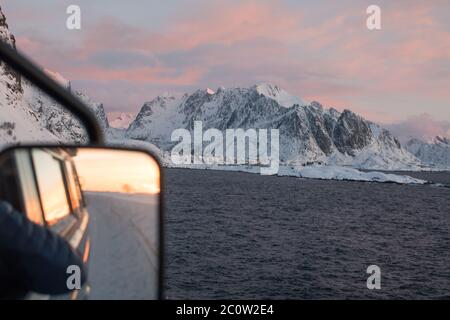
(105,202)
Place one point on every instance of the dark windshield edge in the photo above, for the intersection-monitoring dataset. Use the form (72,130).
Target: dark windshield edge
(54,90)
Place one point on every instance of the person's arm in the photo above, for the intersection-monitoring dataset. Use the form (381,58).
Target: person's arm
(39,257)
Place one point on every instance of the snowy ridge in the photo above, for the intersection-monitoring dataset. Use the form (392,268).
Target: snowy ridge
(435,153)
(279,95)
(345,173)
(315,142)
(18,122)
(308,133)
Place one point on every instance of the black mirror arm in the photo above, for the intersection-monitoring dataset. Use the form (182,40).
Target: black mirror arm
(49,86)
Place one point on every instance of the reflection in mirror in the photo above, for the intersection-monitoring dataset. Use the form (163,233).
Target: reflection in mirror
(104,202)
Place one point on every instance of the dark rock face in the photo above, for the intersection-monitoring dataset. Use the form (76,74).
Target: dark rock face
(15,82)
(96,108)
(351,132)
(443,140)
(101,116)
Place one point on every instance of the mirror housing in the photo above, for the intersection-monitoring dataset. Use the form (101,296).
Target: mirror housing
(106,203)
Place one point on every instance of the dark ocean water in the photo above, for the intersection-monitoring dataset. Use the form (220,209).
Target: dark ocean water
(239,235)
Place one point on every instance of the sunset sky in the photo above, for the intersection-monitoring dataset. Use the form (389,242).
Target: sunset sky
(117,171)
(129,51)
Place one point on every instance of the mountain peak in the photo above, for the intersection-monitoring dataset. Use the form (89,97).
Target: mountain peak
(220,89)
(443,140)
(5,34)
(435,153)
(274,92)
(267,89)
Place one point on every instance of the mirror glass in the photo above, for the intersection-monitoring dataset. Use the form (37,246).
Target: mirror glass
(104,202)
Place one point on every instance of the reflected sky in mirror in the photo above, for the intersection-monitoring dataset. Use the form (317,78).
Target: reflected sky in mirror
(117,171)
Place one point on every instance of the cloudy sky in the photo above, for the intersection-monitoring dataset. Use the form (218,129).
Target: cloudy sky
(127,52)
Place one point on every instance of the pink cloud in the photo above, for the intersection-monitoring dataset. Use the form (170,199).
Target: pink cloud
(139,75)
(423,126)
(27,44)
(335,60)
(218,23)
(398,59)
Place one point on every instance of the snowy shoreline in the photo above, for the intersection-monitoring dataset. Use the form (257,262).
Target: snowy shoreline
(316,172)
(323,172)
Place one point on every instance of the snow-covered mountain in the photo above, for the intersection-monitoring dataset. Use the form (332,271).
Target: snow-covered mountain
(55,118)
(27,114)
(283,98)
(435,153)
(309,133)
(15,114)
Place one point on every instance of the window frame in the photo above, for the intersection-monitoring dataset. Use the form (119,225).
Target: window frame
(63,224)
(29,158)
(70,173)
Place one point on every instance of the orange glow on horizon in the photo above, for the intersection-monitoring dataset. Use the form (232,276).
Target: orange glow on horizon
(122,171)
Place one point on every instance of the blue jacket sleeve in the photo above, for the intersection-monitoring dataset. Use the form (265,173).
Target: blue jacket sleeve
(37,257)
